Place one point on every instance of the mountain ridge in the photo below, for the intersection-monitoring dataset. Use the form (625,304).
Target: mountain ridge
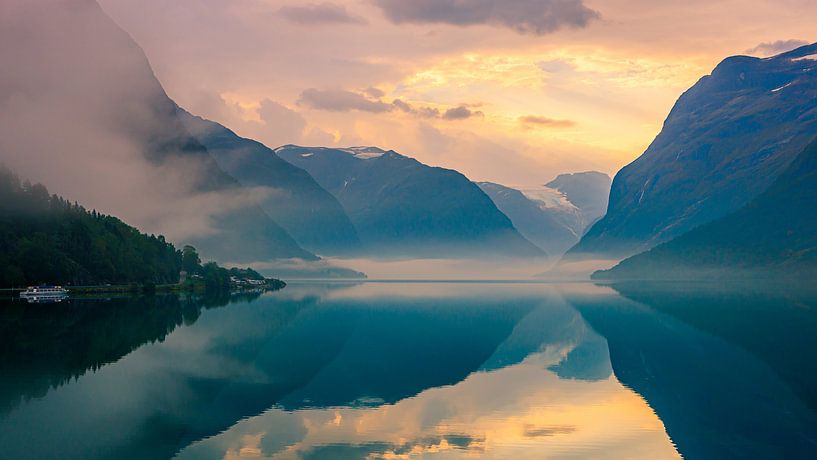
(724,142)
(401,206)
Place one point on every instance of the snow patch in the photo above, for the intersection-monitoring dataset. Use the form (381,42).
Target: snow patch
(547,198)
(783,87)
(810,57)
(364,153)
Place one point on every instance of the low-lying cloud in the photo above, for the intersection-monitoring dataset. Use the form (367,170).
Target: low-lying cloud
(776,47)
(524,16)
(320,13)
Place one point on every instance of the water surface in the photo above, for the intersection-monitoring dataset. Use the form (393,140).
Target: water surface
(415,370)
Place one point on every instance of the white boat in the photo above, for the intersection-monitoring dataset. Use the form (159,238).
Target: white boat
(44,293)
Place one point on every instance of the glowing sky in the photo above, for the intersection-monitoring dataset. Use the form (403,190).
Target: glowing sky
(512,91)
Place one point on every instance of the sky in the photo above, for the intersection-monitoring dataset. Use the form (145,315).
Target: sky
(510,91)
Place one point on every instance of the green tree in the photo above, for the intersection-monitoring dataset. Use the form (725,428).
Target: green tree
(191,262)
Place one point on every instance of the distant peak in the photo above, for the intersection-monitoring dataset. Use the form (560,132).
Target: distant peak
(578,175)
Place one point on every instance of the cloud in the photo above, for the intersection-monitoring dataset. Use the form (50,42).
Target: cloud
(524,16)
(776,47)
(403,106)
(268,121)
(375,92)
(530,121)
(461,113)
(338,100)
(424,112)
(556,66)
(321,13)
(282,124)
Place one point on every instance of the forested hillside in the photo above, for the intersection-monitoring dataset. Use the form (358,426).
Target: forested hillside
(46,239)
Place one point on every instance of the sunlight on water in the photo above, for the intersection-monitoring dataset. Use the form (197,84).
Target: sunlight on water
(522,411)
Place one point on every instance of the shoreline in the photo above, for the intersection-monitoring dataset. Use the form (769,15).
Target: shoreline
(271,285)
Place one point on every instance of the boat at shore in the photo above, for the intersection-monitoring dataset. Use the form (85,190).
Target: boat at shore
(44,293)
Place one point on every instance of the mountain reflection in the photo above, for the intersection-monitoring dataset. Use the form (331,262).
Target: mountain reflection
(413,370)
(516,405)
(730,369)
(46,346)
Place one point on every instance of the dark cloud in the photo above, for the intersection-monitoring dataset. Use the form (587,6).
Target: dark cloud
(545,122)
(777,47)
(403,106)
(338,100)
(525,16)
(428,112)
(319,13)
(375,92)
(425,112)
(532,431)
(461,113)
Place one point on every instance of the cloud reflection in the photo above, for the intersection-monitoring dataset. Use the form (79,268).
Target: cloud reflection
(521,411)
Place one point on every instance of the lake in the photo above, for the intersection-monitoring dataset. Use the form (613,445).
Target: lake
(405,370)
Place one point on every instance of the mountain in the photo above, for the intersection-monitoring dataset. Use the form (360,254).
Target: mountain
(401,207)
(773,236)
(308,212)
(556,215)
(725,141)
(81,109)
(589,191)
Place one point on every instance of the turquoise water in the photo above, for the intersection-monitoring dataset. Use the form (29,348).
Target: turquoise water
(415,370)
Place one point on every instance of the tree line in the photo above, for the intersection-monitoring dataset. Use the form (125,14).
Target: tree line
(46,239)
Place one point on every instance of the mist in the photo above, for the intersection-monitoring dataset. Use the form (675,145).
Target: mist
(82,113)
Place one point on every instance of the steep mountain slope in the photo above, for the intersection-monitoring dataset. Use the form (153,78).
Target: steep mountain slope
(309,213)
(401,207)
(724,142)
(81,110)
(774,236)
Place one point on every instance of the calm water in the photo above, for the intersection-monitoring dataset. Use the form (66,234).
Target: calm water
(415,370)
